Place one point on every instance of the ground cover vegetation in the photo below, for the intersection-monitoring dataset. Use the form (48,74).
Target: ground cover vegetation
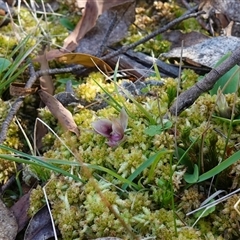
(94,146)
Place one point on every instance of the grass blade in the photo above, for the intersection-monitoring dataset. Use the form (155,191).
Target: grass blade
(144,165)
(219,168)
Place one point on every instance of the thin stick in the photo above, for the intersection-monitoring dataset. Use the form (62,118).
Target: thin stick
(11,114)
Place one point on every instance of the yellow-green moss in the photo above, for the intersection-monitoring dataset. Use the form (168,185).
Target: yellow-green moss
(91,88)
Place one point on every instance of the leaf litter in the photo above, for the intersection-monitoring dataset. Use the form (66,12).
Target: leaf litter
(92,11)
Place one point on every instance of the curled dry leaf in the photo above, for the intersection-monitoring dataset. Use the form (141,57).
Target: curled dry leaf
(20,211)
(111,27)
(85,60)
(177,38)
(18,89)
(63,115)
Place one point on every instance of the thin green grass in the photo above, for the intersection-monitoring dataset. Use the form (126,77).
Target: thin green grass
(25,158)
(19,64)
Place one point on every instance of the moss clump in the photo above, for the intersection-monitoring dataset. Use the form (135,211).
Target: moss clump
(188,78)
(191,199)
(80,212)
(37,201)
(7,43)
(7,169)
(91,88)
(11,36)
(148,18)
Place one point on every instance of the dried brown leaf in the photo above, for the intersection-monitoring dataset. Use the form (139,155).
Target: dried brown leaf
(95,37)
(85,60)
(111,27)
(81,3)
(177,38)
(92,10)
(63,115)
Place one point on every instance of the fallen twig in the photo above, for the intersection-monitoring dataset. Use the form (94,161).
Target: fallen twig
(188,97)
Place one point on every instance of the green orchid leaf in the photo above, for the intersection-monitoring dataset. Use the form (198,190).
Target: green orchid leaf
(229,82)
(192,178)
(152,130)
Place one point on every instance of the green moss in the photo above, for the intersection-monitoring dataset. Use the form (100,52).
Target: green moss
(157,45)
(80,212)
(57,33)
(190,24)
(78,209)
(188,78)
(90,88)
(7,169)
(37,201)
(7,43)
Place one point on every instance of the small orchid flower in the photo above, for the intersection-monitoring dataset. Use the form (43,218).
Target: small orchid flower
(113,129)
